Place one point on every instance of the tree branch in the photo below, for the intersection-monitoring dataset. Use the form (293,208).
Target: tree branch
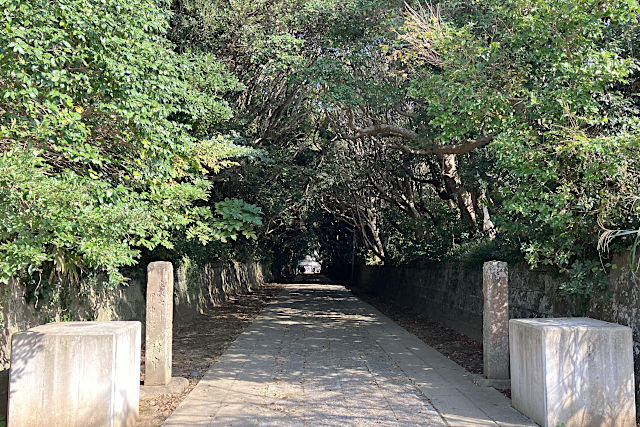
(387,130)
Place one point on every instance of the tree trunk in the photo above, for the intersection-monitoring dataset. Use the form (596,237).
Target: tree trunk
(453,185)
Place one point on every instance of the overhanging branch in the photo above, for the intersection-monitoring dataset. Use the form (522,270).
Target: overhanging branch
(388,130)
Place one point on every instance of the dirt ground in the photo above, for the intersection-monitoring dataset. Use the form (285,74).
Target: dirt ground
(199,342)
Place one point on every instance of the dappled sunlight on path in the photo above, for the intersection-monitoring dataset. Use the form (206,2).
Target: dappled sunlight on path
(319,356)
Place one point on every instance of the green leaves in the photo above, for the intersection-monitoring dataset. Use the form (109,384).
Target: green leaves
(234,218)
(551,80)
(111,134)
(107,137)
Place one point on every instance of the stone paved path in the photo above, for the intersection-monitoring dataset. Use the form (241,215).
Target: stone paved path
(318,356)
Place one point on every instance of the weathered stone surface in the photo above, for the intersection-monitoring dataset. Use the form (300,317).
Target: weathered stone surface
(75,374)
(196,289)
(481,381)
(449,292)
(495,319)
(572,371)
(175,385)
(159,323)
(318,356)
(200,287)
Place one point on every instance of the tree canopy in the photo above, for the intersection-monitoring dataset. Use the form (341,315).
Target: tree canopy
(413,130)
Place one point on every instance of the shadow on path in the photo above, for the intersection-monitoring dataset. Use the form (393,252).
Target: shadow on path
(319,356)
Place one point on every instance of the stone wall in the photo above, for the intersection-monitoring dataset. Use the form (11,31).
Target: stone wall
(451,293)
(196,288)
(446,292)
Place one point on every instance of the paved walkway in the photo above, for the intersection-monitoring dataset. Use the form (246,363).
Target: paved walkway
(318,356)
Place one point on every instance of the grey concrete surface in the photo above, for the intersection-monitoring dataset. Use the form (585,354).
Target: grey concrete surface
(575,372)
(75,374)
(318,356)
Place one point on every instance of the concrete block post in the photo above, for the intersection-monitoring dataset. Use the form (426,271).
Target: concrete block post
(159,324)
(75,374)
(495,320)
(572,371)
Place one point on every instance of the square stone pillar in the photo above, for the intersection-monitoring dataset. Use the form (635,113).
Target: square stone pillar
(159,324)
(572,371)
(75,374)
(495,320)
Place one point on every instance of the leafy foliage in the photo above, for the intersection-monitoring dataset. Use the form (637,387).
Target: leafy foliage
(525,110)
(106,138)
(454,129)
